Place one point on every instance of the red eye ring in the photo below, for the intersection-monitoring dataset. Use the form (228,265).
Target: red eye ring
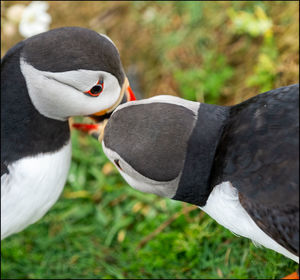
(96,89)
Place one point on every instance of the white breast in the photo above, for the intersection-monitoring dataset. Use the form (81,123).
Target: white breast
(223,205)
(32,186)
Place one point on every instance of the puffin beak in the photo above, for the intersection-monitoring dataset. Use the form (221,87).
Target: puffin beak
(130,95)
(101,118)
(126,95)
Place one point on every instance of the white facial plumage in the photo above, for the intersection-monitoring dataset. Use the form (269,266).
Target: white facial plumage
(137,180)
(59,95)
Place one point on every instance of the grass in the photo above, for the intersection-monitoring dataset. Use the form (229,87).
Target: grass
(96,228)
(102,228)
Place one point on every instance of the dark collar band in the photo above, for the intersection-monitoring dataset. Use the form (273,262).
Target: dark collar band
(194,186)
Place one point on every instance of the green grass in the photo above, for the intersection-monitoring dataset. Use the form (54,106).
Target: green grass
(81,236)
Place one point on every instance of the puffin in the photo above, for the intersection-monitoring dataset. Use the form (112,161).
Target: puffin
(239,164)
(45,80)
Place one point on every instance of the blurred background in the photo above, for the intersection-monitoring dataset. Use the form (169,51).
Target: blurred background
(215,52)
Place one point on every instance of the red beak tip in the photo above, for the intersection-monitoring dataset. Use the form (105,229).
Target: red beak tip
(85,127)
(131,94)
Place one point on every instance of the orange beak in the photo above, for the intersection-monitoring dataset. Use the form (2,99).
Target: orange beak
(126,95)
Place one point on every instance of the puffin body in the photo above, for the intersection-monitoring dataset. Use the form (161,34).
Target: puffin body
(46,79)
(31,187)
(238,163)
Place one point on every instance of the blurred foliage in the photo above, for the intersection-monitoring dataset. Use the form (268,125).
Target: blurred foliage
(205,83)
(219,52)
(167,41)
(254,23)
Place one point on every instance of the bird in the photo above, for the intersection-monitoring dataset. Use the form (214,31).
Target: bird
(45,80)
(239,164)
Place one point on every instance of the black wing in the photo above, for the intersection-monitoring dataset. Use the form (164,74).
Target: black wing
(259,154)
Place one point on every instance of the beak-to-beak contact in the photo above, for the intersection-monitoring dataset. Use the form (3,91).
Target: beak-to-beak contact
(97,130)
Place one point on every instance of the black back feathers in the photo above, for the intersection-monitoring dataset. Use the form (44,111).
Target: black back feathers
(259,154)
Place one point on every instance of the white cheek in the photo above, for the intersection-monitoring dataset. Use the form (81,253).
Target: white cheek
(163,189)
(140,186)
(80,79)
(138,181)
(60,95)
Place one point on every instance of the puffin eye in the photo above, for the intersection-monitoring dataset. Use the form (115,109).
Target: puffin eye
(117,162)
(96,89)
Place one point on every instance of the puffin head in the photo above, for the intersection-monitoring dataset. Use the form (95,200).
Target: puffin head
(73,71)
(147,141)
